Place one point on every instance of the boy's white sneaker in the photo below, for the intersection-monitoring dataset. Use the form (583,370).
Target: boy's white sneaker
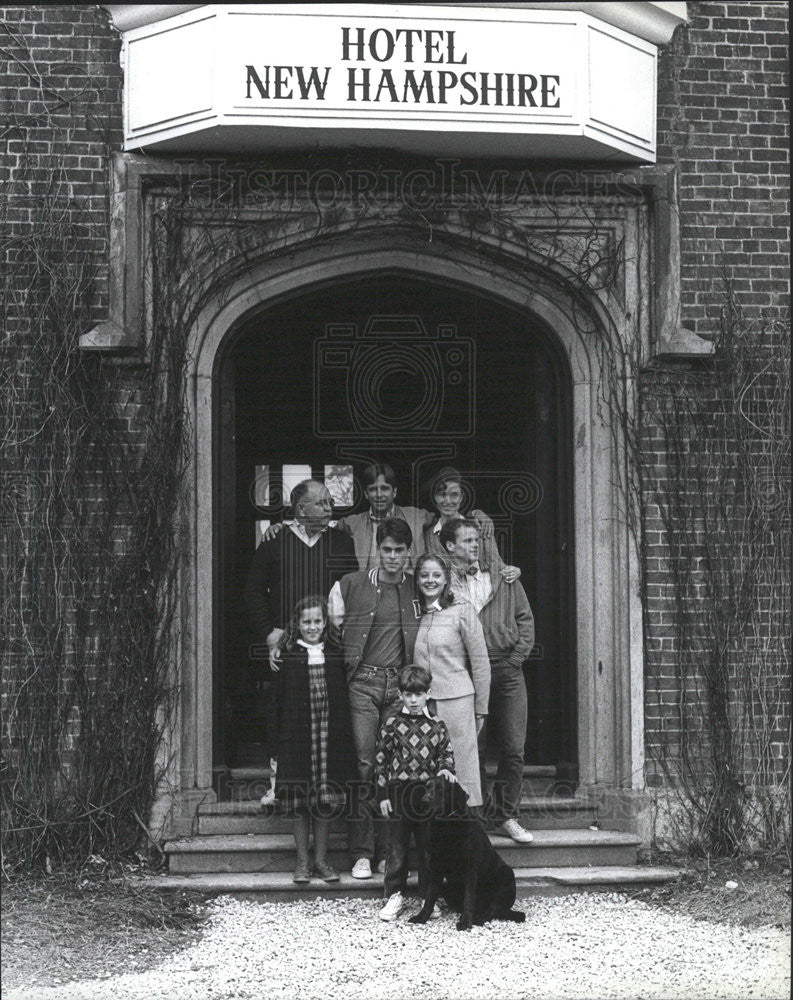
(362,868)
(393,907)
(511,828)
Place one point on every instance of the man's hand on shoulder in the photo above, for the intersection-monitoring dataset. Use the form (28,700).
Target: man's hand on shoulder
(510,573)
(484,522)
(276,649)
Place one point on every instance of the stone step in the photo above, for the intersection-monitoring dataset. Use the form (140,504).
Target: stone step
(274,852)
(537,812)
(250,783)
(274,886)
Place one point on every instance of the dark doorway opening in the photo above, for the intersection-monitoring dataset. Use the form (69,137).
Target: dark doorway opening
(417,374)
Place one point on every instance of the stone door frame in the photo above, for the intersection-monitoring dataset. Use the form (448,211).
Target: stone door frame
(608,610)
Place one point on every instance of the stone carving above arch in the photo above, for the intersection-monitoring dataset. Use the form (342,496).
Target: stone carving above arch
(588,239)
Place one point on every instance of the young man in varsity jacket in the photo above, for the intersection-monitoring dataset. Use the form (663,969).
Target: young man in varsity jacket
(508,624)
(374,609)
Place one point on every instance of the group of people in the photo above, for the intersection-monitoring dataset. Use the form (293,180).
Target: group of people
(397,638)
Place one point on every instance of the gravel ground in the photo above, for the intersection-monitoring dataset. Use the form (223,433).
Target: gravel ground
(591,946)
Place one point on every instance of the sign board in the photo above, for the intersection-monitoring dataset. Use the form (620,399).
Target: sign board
(456,78)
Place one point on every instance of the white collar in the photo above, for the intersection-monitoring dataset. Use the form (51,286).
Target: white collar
(304,536)
(435,606)
(424,711)
(315,650)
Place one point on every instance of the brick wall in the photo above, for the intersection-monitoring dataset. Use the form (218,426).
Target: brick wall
(61,96)
(723,118)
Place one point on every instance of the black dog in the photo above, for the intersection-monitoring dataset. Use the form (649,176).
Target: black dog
(463,866)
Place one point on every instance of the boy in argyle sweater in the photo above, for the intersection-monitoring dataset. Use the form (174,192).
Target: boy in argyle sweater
(413,746)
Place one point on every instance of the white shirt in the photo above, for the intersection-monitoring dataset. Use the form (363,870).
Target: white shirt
(478,587)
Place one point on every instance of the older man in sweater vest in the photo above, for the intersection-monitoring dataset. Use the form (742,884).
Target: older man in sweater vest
(306,559)
(508,624)
(374,609)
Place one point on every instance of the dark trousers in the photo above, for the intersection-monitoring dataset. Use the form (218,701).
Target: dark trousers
(506,720)
(409,816)
(396,866)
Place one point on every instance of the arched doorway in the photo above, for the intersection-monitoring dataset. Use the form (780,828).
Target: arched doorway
(398,367)
(607,611)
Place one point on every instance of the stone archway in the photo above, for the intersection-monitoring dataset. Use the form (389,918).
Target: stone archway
(607,613)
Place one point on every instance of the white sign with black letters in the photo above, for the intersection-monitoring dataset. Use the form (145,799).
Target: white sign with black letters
(243,76)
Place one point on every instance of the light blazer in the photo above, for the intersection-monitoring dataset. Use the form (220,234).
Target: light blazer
(451,645)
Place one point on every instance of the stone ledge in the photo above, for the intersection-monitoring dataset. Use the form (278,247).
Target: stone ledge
(612,876)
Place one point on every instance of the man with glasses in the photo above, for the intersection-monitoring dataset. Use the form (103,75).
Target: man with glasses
(308,558)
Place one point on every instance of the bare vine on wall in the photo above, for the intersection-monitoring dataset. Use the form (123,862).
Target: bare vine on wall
(724,503)
(91,503)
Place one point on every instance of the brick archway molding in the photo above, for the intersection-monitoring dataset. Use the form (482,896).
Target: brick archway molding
(608,610)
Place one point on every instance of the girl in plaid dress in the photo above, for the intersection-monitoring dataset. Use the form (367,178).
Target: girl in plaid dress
(310,734)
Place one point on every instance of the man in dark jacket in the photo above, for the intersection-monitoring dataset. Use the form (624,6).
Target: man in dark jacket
(306,558)
(375,611)
(508,624)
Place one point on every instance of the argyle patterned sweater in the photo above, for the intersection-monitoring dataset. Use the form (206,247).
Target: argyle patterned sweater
(411,748)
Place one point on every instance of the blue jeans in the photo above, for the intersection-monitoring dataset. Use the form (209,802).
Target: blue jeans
(374,697)
(508,714)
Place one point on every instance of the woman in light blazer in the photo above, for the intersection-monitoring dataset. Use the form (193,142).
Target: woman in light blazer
(451,645)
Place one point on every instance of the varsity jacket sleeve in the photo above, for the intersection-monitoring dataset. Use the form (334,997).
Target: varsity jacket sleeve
(445,752)
(474,639)
(383,753)
(336,605)
(524,620)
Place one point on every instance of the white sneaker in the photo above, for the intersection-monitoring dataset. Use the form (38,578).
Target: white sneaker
(393,907)
(362,868)
(511,828)
(381,867)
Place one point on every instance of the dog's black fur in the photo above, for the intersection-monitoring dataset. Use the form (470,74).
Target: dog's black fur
(463,866)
